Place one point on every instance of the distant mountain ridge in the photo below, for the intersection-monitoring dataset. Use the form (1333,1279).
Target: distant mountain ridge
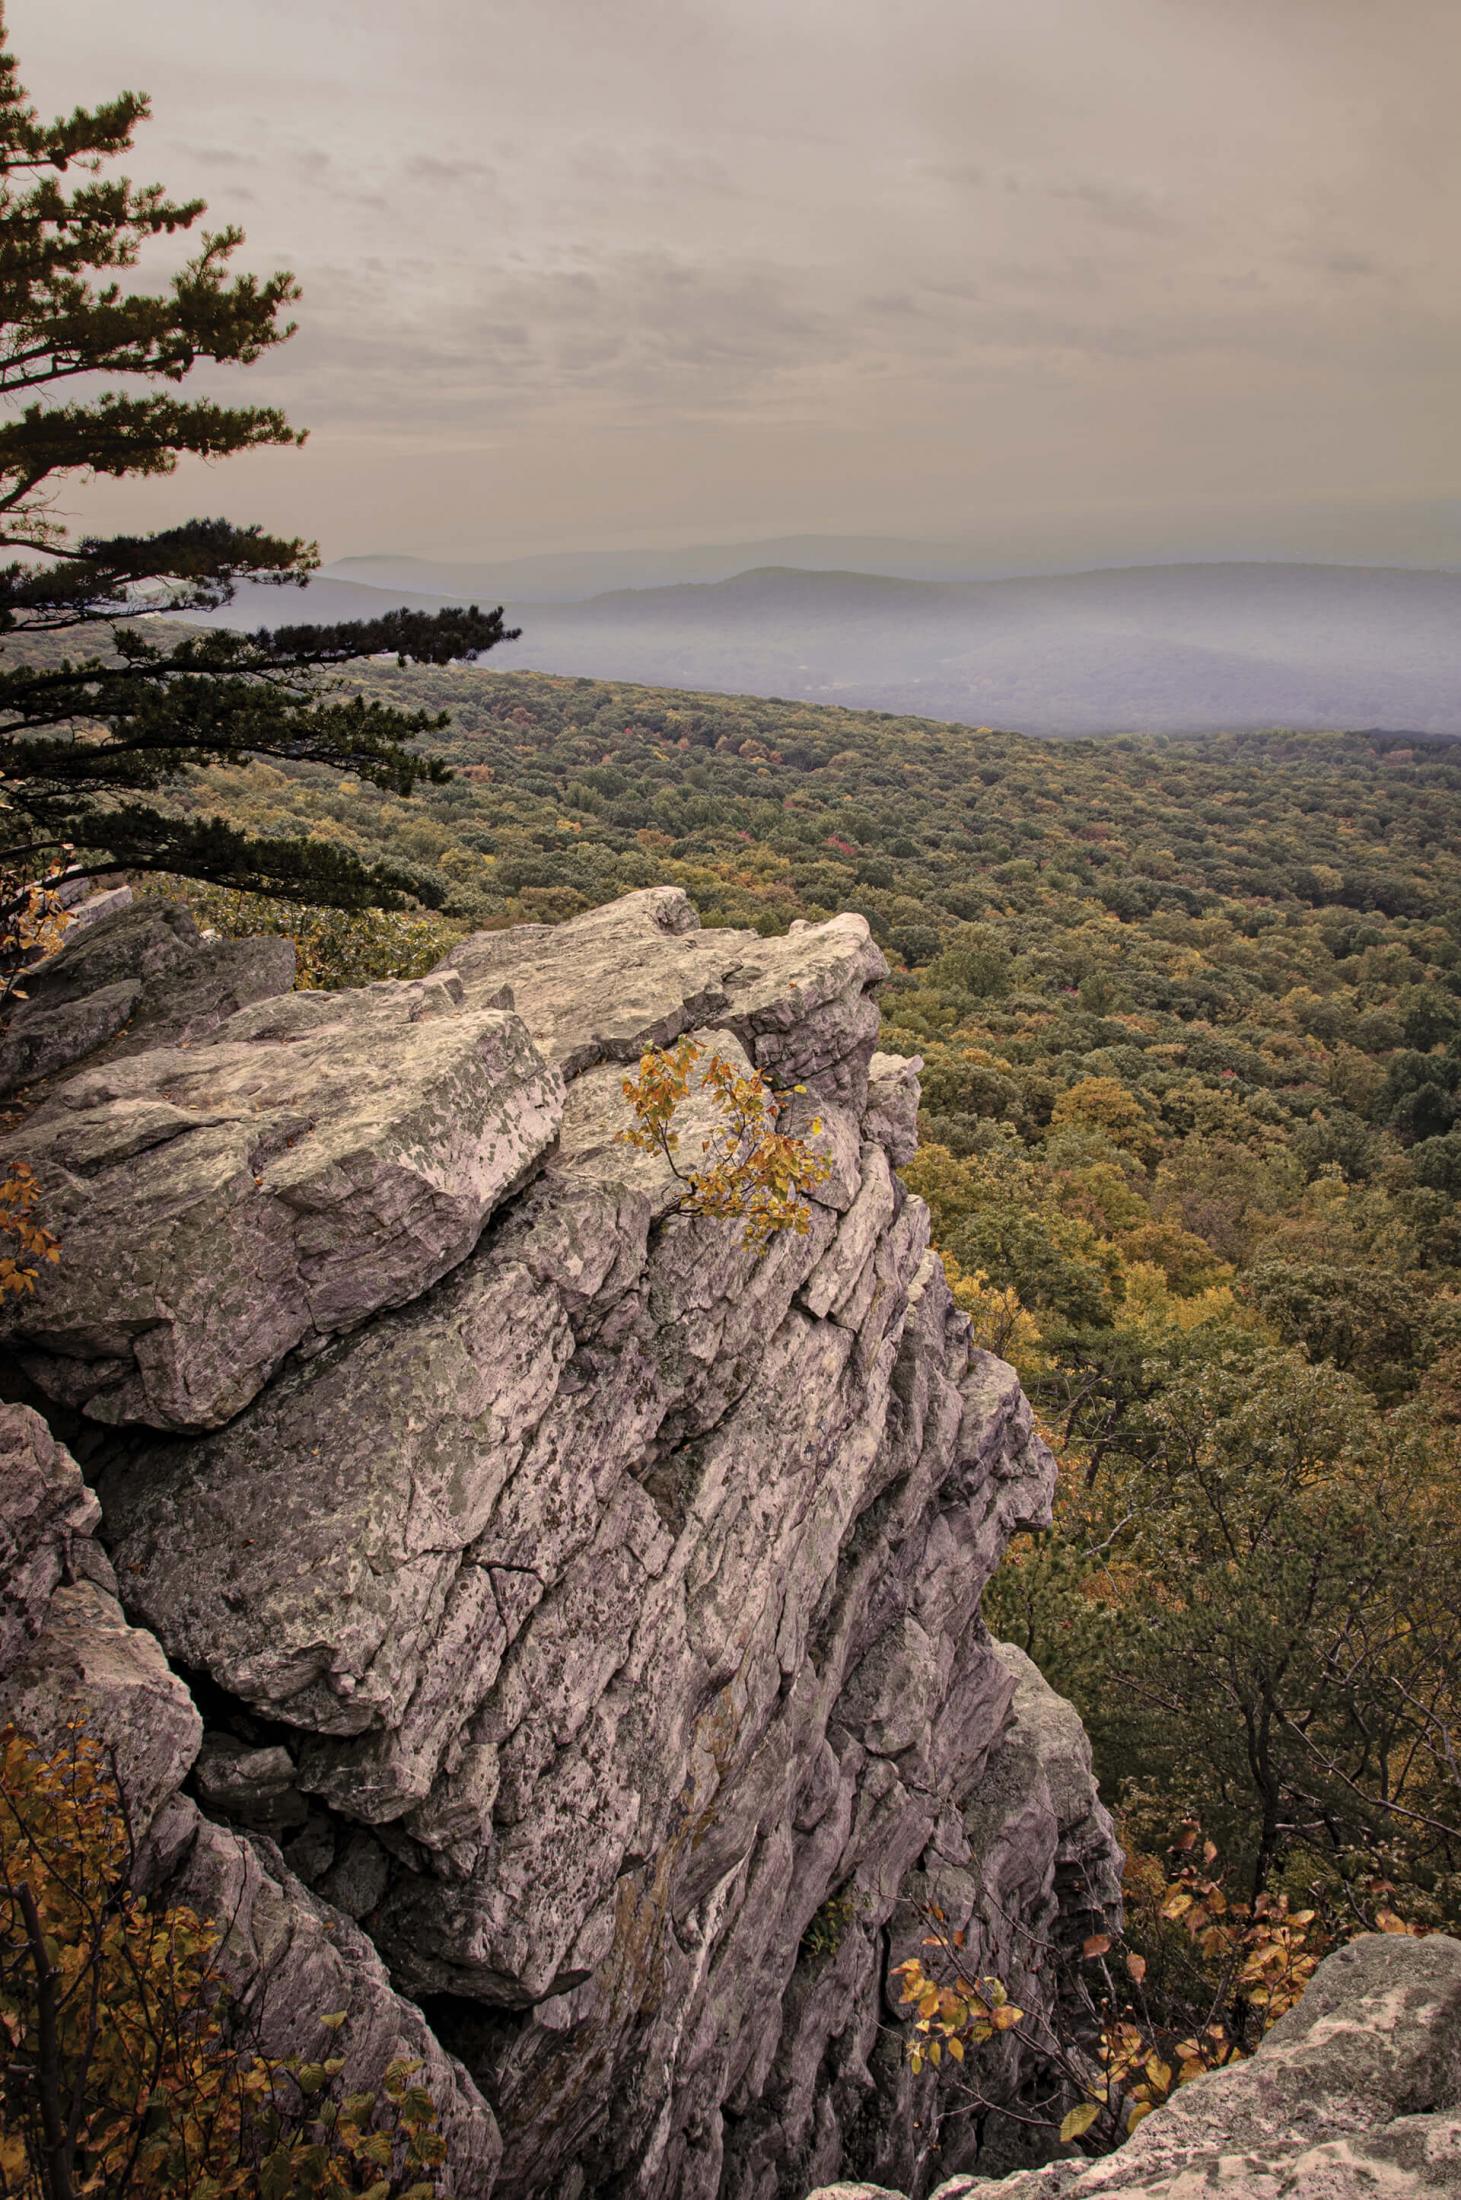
(1422,536)
(1165,648)
(569,576)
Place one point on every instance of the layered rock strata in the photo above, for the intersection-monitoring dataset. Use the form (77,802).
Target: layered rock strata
(581,1602)
(130,979)
(69,1659)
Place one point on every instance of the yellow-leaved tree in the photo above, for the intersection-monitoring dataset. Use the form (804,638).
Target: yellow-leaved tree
(24,1239)
(1196,1979)
(123,2072)
(748,1171)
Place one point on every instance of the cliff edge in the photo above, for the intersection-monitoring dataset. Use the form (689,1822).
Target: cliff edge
(521,1607)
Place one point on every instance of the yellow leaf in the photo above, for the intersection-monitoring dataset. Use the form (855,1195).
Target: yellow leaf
(1079,2120)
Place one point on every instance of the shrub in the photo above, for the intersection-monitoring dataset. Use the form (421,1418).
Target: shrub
(24,1239)
(127,2072)
(1193,1984)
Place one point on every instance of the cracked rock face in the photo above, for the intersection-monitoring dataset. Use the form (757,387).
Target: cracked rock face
(132,978)
(287,1956)
(310,1160)
(588,1605)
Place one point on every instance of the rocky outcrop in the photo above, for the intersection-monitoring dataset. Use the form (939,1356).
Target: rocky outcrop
(133,977)
(580,1601)
(224,1201)
(1354,2095)
(70,1661)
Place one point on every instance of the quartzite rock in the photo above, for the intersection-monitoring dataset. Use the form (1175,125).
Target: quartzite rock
(892,1105)
(600,1624)
(293,1958)
(45,1511)
(314,1159)
(146,969)
(289,1957)
(640,972)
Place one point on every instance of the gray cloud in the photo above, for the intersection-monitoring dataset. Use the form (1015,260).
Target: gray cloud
(582,272)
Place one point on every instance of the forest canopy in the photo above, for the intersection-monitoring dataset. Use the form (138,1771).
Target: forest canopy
(1190,1016)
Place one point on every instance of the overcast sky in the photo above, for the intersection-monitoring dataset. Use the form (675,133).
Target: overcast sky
(590,272)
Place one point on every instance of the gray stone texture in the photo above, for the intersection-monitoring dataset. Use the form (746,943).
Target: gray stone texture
(143,972)
(589,1604)
(308,1161)
(289,1958)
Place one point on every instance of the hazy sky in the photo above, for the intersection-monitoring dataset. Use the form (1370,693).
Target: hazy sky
(585,272)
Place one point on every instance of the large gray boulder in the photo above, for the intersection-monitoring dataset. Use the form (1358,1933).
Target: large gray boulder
(129,977)
(46,1513)
(592,1614)
(1354,2095)
(640,972)
(313,1159)
(89,1670)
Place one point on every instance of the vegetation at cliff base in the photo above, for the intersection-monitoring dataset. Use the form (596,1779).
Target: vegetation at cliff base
(127,2071)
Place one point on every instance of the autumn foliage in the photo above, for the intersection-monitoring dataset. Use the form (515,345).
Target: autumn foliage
(32,924)
(125,2068)
(747,1170)
(1194,1982)
(24,1239)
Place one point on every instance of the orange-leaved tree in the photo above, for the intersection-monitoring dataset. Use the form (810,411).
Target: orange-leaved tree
(748,1171)
(24,1239)
(1195,1981)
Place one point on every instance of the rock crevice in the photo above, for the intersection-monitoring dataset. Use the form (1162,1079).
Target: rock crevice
(585,1605)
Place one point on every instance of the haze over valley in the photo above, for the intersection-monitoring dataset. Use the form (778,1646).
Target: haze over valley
(730,1073)
(1182,648)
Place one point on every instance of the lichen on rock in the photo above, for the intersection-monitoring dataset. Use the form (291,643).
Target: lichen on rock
(582,1602)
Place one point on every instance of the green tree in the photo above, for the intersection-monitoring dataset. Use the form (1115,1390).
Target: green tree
(1369,1322)
(90,737)
(1270,1586)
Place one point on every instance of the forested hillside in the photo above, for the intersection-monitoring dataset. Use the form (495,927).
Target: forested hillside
(1190,1015)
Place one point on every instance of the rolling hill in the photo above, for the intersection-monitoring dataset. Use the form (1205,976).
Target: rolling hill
(1172,648)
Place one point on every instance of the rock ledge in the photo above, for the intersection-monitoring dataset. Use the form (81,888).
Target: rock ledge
(580,1610)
